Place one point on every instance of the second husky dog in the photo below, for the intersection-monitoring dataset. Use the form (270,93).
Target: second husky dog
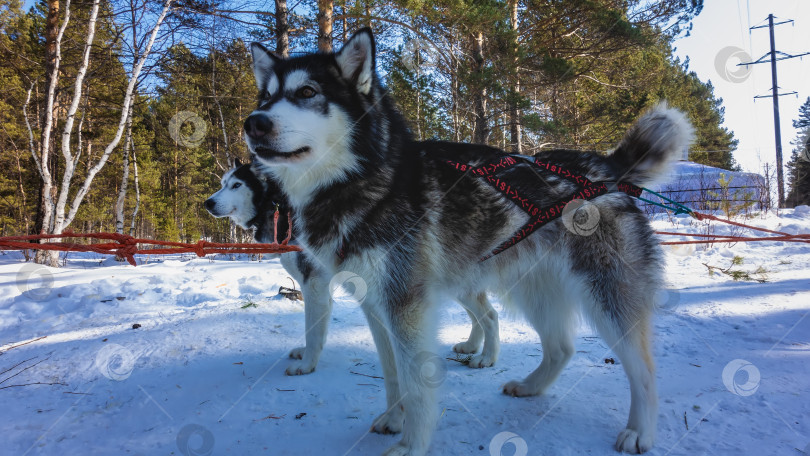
(416,220)
(250,201)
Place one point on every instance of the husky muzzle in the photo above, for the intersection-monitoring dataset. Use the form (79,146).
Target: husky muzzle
(258,126)
(259,129)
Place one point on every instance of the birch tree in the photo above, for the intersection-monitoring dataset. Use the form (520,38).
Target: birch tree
(62,222)
(70,159)
(43,158)
(56,214)
(137,191)
(122,191)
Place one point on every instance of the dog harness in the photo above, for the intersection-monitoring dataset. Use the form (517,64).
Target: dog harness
(538,216)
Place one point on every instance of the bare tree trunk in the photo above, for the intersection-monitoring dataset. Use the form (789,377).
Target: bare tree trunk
(282,29)
(368,14)
(137,191)
(175,191)
(344,35)
(481,128)
(325,9)
(122,191)
(232,232)
(46,166)
(46,162)
(228,159)
(24,206)
(417,59)
(455,93)
(514,113)
(31,147)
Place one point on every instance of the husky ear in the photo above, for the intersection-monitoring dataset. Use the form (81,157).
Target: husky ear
(263,63)
(237,163)
(356,60)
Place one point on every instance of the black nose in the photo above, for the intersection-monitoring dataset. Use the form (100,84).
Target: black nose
(257,126)
(209,204)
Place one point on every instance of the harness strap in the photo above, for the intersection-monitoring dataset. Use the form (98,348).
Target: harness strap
(539,216)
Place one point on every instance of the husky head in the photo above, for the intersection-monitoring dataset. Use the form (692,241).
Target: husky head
(240,197)
(320,118)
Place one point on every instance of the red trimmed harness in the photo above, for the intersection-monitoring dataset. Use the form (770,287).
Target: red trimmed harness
(538,216)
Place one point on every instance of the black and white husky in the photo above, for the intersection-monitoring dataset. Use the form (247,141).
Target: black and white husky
(416,220)
(250,201)
(246,199)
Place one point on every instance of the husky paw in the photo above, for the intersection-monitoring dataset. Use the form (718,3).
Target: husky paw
(401,450)
(297,353)
(479,361)
(300,368)
(389,423)
(465,347)
(519,389)
(630,441)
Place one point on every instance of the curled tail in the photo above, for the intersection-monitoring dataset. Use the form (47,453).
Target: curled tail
(658,138)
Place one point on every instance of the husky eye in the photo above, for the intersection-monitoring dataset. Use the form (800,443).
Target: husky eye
(236,185)
(305,92)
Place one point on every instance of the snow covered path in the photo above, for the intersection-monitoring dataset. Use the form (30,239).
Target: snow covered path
(204,371)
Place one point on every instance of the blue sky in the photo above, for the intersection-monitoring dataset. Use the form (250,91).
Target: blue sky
(724,24)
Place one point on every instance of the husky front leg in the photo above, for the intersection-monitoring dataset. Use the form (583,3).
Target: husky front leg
(420,374)
(317,312)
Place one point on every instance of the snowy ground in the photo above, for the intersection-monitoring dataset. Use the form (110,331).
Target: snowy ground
(203,375)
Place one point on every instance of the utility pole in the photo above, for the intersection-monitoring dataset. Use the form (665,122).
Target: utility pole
(780,180)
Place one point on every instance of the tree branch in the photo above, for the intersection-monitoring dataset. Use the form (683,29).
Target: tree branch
(30,131)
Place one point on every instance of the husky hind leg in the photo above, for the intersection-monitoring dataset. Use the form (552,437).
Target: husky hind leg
(473,343)
(632,346)
(484,328)
(639,434)
(554,318)
(620,307)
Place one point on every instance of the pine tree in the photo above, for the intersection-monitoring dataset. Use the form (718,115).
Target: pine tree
(799,164)
(218,90)
(18,181)
(413,90)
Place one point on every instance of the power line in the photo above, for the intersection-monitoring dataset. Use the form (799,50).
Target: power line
(775,56)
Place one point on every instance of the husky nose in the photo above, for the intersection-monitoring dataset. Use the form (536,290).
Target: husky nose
(209,204)
(258,126)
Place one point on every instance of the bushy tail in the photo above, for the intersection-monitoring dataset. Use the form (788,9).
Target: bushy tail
(659,137)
